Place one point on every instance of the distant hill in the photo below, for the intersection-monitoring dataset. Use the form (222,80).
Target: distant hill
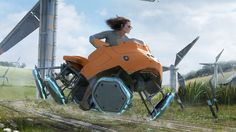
(222,79)
(206,70)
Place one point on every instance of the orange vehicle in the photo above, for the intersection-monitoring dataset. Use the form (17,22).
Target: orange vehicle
(108,79)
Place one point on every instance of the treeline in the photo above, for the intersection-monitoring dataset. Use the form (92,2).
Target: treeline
(12,64)
(207,70)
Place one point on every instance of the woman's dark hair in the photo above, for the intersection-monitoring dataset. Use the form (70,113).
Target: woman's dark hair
(117,23)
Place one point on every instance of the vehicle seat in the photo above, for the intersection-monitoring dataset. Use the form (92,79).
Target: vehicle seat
(76,61)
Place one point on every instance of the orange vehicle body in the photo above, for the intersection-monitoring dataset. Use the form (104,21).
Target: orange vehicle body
(130,56)
(108,78)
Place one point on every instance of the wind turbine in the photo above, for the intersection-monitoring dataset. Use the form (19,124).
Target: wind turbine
(213,83)
(174,75)
(216,67)
(17,64)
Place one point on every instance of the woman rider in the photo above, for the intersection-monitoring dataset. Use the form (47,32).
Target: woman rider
(120,27)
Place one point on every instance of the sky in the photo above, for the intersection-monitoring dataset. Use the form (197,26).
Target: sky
(166,26)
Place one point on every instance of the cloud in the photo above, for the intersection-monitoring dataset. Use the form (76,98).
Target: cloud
(9,22)
(216,25)
(68,19)
(181,22)
(72,37)
(166,26)
(22,48)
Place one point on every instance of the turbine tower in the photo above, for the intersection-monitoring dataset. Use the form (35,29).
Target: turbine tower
(47,34)
(174,75)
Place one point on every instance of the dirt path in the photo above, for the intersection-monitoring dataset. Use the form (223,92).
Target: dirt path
(20,106)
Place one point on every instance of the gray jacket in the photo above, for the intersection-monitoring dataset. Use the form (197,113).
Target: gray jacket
(111,37)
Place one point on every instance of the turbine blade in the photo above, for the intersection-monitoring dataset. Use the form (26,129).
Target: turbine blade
(6,72)
(218,56)
(18,59)
(211,83)
(180,55)
(165,68)
(181,81)
(7,79)
(27,25)
(221,70)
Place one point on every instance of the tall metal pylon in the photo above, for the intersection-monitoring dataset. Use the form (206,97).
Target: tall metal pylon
(47,34)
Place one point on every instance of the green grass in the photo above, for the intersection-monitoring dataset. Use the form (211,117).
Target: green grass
(226,95)
(199,116)
(17,92)
(197,88)
(17,76)
(21,87)
(196,93)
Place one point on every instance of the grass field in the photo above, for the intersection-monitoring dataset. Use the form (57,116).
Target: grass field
(21,87)
(17,76)
(222,79)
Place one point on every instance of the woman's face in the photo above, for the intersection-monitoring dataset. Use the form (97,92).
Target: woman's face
(127,27)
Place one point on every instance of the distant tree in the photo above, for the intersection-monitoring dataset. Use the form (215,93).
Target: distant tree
(11,64)
(5,63)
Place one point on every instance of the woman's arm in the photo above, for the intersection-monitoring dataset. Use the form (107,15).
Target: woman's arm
(97,43)
(95,39)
